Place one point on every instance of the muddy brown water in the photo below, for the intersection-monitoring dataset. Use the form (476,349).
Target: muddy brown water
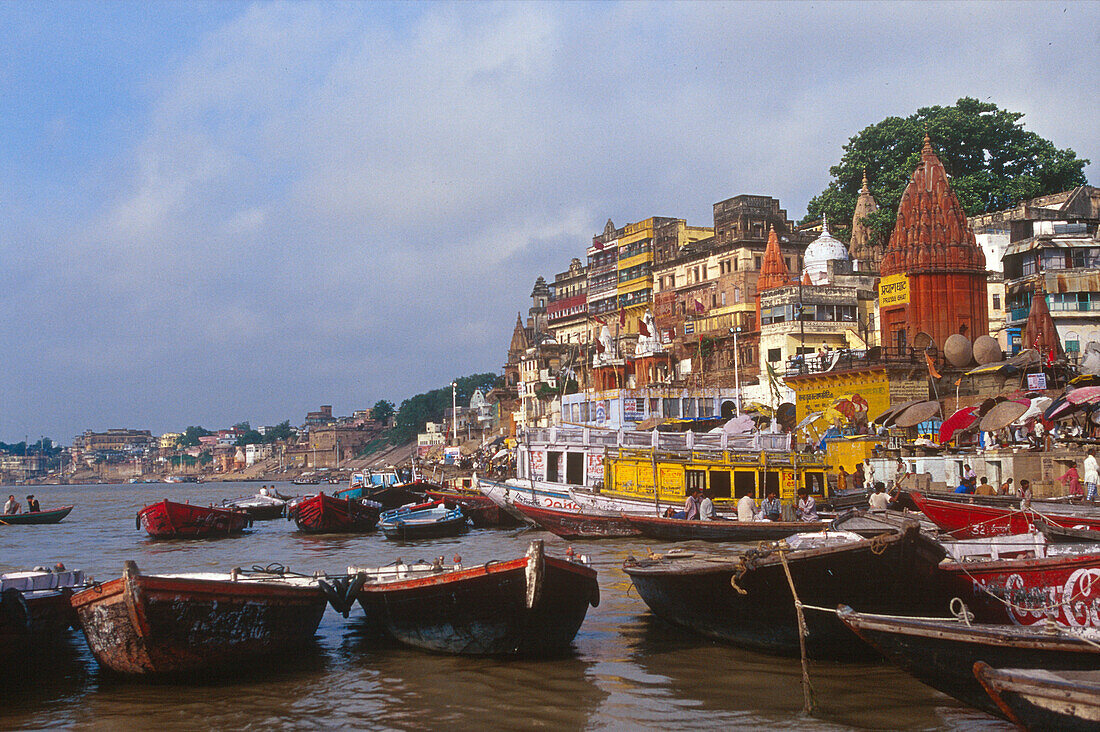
(627,669)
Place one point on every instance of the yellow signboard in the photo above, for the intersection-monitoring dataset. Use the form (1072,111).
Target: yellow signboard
(817,393)
(893,290)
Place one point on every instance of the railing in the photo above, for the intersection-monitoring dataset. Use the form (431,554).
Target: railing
(839,360)
(654,439)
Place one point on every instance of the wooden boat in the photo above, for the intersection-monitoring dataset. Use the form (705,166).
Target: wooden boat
(385,487)
(744,598)
(942,652)
(869,523)
(34,612)
(578,524)
(52,516)
(259,507)
(1022,580)
(532,605)
(423,521)
(670,529)
(321,514)
(1037,699)
(1064,534)
(482,511)
(972,521)
(171,520)
(173,624)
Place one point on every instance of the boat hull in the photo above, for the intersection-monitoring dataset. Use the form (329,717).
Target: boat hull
(39,517)
(1063,588)
(1038,700)
(412,529)
(484,610)
(147,625)
(897,572)
(170,520)
(667,529)
(942,653)
(322,514)
(974,521)
(482,511)
(390,496)
(578,524)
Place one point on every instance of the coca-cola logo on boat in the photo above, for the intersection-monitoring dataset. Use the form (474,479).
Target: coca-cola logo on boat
(1076,603)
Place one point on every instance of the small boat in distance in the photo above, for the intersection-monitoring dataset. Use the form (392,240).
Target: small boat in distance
(171,624)
(322,514)
(530,606)
(171,520)
(423,521)
(52,516)
(1039,699)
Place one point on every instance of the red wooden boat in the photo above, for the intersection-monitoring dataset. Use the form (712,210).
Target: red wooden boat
(148,624)
(533,605)
(170,520)
(973,521)
(321,514)
(1027,581)
(479,508)
(578,524)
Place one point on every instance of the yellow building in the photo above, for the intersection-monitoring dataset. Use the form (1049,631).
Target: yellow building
(167,441)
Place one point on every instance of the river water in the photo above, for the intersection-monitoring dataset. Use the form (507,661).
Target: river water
(627,670)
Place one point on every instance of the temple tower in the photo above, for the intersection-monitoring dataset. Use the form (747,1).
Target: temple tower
(933,248)
(773,270)
(865,246)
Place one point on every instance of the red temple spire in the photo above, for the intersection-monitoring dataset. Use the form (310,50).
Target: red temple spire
(773,270)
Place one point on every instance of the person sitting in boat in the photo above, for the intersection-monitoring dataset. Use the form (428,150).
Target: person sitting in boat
(263,490)
(806,510)
(771,508)
(1007,489)
(691,504)
(879,501)
(984,488)
(32,504)
(12,506)
(1072,480)
(1025,495)
(746,508)
(706,508)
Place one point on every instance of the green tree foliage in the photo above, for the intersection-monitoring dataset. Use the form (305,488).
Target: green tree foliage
(243,426)
(281,431)
(250,437)
(382,410)
(994,163)
(429,406)
(191,435)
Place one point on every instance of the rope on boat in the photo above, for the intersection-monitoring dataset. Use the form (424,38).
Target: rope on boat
(803,631)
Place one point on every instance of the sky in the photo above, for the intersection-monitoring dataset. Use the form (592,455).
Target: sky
(218,212)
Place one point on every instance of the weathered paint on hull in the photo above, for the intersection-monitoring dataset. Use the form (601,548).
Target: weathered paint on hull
(1037,700)
(974,521)
(323,514)
(481,510)
(141,625)
(942,653)
(170,520)
(413,530)
(578,524)
(898,576)
(483,611)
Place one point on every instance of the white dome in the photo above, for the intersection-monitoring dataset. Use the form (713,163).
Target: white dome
(822,250)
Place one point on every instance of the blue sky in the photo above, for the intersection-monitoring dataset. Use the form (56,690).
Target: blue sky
(227,211)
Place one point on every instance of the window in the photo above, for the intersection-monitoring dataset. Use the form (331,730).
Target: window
(775,354)
(737,294)
(671,407)
(689,407)
(756,262)
(996,302)
(714,301)
(723,297)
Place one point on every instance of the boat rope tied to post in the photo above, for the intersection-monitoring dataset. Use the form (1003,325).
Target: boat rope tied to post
(960,611)
(879,542)
(803,631)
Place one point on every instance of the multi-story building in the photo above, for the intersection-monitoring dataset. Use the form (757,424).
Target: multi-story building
(1051,245)
(567,311)
(113,442)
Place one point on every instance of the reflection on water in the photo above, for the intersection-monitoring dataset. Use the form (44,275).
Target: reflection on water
(627,669)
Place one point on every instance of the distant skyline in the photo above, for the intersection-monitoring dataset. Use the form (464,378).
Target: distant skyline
(219,212)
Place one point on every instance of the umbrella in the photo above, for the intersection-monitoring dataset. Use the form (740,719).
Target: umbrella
(885,418)
(809,419)
(502,453)
(957,421)
(919,412)
(1003,415)
(1061,408)
(1084,395)
(739,425)
(1085,380)
(649,422)
(1036,409)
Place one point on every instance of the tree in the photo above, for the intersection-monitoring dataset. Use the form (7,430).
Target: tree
(994,163)
(243,426)
(382,410)
(430,406)
(250,437)
(191,435)
(281,431)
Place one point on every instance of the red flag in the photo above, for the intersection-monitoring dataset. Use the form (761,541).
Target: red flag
(622,316)
(599,347)
(1050,356)
(642,329)
(699,306)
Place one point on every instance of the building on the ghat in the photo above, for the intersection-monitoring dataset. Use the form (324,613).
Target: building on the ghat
(933,287)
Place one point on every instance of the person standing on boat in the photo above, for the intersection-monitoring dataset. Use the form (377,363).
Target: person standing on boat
(1072,481)
(858,478)
(841,480)
(12,506)
(900,471)
(984,488)
(1092,474)
(746,508)
(806,510)
(869,475)
(706,508)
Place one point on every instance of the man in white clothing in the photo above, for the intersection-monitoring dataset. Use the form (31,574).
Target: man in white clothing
(1092,475)
(746,508)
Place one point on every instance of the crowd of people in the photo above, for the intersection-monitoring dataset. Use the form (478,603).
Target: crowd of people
(699,506)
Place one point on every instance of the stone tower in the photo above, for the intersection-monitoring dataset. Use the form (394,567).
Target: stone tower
(865,246)
(773,270)
(933,246)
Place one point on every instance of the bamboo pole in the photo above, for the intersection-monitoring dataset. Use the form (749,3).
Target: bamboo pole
(807,690)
